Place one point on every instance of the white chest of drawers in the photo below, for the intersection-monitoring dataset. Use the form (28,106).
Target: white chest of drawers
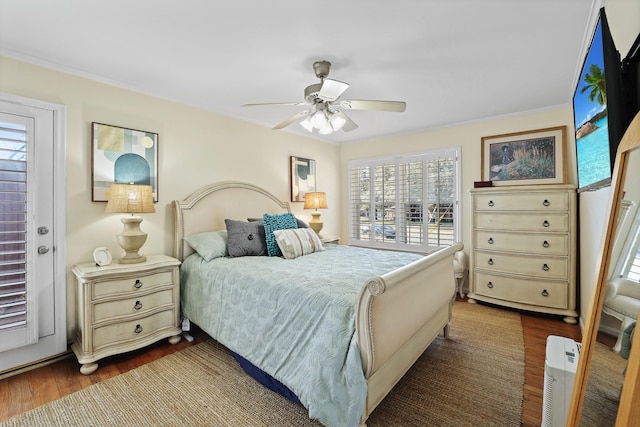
(122,307)
(524,248)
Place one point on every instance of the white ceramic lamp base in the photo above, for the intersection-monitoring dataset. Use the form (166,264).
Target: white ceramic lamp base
(315,223)
(131,240)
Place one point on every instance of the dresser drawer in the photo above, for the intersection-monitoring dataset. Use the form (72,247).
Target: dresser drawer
(532,243)
(139,304)
(523,265)
(523,201)
(544,222)
(140,282)
(133,329)
(534,292)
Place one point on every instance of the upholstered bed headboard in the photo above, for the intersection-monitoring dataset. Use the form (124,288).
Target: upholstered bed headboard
(206,209)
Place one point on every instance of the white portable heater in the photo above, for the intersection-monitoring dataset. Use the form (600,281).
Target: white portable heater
(560,366)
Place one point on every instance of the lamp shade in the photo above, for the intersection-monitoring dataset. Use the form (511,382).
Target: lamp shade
(130,198)
(315,200)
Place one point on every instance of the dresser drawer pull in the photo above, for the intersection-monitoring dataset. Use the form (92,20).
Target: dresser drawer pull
(490,285)
(545,244)
(138,306)
(544,293)
(490,262)
(490,241)
(138,284)
(138,329)
(490,203)
(545,203)
(545,267)
(545,223)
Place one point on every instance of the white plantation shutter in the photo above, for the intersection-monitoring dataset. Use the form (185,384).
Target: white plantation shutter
(13,226)
(408,203)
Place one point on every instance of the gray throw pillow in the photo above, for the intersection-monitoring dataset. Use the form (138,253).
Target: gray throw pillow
(245,238)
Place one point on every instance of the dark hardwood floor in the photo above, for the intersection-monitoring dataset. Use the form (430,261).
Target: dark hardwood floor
(22,392)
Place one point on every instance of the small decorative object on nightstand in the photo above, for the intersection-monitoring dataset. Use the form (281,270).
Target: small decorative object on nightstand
(315,200)
(123,307)
(330,240)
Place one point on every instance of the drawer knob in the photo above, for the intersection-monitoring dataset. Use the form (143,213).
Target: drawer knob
(138,284)
(490,241)
(490,203)
(545,244)
(544,293)
(545,223)
(490,285)
(138,329)
(138,305)
(545,203)
(545,267)
(490,262)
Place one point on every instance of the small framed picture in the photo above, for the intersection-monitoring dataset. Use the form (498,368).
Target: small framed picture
(303,177)
(522,158)
(122,155)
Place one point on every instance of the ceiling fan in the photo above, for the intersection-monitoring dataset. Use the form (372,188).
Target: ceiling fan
(325,112)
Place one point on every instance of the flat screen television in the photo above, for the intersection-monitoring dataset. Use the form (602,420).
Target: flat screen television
(598,109)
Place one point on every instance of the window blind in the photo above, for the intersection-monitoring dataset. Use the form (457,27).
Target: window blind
(407,203)
(13,223)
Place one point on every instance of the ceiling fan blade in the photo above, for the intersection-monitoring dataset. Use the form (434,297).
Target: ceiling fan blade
(292,119)
(273,103)
(332,89)
(349,124)
(358,104)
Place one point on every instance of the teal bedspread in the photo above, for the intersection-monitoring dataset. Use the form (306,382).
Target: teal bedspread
(294,319)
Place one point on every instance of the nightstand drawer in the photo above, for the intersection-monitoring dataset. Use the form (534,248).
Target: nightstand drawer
(139,304)
(140,282)
(534,292)
(117,333)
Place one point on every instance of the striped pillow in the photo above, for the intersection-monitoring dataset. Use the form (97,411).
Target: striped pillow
(296,242)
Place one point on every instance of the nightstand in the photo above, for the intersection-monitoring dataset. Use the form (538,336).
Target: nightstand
(123,307)
(331,240)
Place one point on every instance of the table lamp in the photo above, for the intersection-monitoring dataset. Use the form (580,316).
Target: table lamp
(133,199)
(315,200)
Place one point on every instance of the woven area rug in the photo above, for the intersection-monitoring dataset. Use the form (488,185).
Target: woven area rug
(473,378)
(602,397)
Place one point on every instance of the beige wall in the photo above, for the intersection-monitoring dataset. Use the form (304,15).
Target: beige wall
(196,147)
(469,138)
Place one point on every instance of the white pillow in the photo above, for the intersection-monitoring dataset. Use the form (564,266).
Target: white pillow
(296,242)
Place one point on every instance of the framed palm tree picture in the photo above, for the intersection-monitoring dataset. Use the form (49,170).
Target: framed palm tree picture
(522,158)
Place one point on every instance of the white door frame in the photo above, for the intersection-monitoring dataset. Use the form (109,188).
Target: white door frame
(56,343)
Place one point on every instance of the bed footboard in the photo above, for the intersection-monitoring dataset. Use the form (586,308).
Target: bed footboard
(399,315)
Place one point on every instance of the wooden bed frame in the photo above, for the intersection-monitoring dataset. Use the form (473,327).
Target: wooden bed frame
(399,313)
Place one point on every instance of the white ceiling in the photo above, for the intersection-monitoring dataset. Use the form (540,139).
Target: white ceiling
(452,61)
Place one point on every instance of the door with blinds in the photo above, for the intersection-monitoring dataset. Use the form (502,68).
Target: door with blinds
(32,302)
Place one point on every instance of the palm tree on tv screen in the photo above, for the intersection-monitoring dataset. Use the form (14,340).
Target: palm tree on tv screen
(594,80)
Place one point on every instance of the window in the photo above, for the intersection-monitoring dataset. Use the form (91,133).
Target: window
(13,220)
(407,203)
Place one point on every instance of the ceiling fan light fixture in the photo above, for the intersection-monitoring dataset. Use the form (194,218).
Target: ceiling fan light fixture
(319,119)
(306,123)
(326,130)
(336,121)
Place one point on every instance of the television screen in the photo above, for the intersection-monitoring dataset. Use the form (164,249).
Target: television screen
(597,110)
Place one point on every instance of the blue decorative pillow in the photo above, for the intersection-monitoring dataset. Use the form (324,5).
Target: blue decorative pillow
(276,222)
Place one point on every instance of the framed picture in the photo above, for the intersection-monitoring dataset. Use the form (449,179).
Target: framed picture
(522,158)
(303,177)
(122,155)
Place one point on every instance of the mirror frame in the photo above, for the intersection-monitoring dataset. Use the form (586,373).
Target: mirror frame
(628,413)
